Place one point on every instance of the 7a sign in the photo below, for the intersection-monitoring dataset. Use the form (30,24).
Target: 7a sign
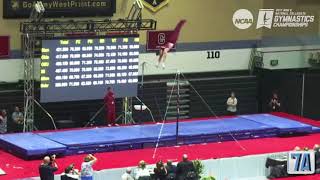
(301,162)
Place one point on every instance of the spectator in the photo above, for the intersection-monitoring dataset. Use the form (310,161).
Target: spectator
(86,167)
(232,104)
(160,172)
(17,117)
(47,168)
(274,103)
(3,122)
(142,172)
(70,173)
(297,148)
(127,175)
(185,169)
(171,171)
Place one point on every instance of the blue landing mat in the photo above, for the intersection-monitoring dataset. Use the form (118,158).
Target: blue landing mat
(29,144)
(93,140)
(149,133)
(285,126)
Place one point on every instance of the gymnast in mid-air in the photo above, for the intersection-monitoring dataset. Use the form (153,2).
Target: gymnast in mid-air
(170,43)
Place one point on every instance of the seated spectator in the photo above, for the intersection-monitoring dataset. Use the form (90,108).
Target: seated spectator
(127,175)
(171,170)
(160,172)
(70,173)
(316,147)
(86,167)
(17,117)
(297,148)
(47,168)
(142,172)
(3,121)
(186,169)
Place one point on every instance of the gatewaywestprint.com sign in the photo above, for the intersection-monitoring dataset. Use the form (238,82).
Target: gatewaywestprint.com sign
(60,8)
(301,162)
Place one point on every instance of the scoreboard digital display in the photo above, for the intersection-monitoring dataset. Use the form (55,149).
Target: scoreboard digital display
(82,69)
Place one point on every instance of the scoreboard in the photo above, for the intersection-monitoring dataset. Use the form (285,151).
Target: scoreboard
(81,69)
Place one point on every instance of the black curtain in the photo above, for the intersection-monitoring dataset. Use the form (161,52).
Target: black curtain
(312,96)
(287,84)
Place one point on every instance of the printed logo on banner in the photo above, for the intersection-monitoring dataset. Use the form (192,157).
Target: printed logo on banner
(284,18)
(156,39)
(155,5)
(301,162)
(161,38)
(265,18)
(15,5)
(242,19)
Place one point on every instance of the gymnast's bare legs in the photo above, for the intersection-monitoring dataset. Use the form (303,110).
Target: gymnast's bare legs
(163,54)
(170,43)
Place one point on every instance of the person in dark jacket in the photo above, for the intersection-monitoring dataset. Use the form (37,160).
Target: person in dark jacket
(171,171)
(47,168)
(186,169)
(160,172)
(274,103)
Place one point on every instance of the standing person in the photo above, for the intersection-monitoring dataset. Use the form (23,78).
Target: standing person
(86,167)
(170,43)
(48,167)
(3,121)
(127,175)
(274,103)
(110,107)
(232,104)
(17,117)
(186,169)
(160,172)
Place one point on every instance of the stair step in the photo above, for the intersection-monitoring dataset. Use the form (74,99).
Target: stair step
(182,101)
(175,90)
(181,96)
(183,112)
(184,106)
(175,118)
(181,83)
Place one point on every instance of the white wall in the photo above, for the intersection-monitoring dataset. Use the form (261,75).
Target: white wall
(11,70)
(196,61)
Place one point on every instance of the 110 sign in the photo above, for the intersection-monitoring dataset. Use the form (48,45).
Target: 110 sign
(301,162)
(213,54)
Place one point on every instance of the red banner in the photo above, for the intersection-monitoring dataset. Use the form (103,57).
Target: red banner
(4,46)
(156,39)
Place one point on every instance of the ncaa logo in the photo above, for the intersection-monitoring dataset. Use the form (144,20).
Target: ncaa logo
(242,19)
